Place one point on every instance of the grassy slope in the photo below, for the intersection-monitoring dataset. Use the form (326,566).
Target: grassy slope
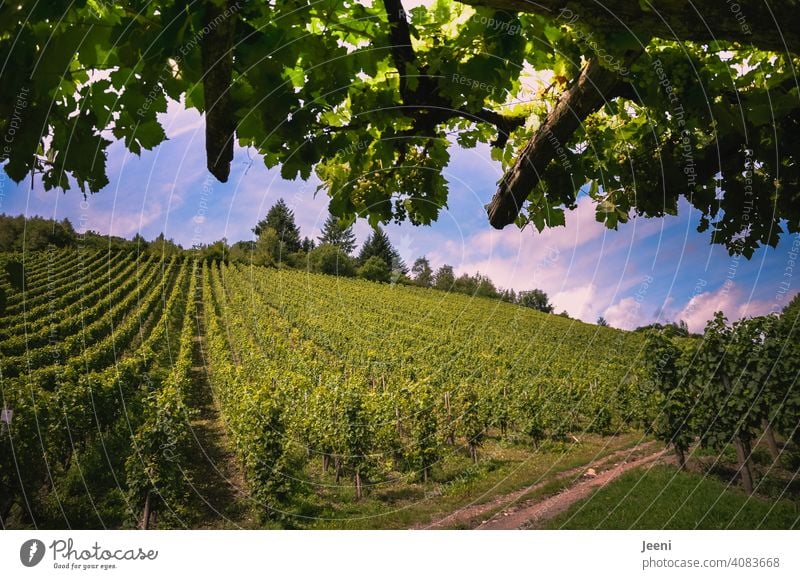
(663,498)
(456,483)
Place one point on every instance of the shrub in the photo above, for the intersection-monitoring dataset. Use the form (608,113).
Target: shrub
(374,269)
(332,260)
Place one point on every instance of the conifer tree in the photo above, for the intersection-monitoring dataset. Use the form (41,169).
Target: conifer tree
(281,219)
(378,244)
(339,233)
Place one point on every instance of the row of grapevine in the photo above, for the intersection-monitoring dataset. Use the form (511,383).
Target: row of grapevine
(69,275)
(64,313)
(249,399)
(420,378)
(90,326)
(78,417)
(480,345)
(38,264)
(156,470)
(736,387)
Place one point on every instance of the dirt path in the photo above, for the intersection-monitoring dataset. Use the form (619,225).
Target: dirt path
(532,513)
(473,515)
(220,499)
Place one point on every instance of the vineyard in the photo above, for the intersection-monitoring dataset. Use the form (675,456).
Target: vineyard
(95,357)
(324,385)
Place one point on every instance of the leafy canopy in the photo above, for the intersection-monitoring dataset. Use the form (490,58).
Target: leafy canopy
(375,269)
(371,97)
(536,299)
(421,272)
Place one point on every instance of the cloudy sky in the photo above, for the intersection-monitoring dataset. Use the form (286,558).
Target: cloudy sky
(649,270)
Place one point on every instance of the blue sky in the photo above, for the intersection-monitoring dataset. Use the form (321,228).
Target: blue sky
(649,270)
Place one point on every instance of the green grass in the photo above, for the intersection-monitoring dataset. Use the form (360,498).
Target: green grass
(504,467)
(663,498)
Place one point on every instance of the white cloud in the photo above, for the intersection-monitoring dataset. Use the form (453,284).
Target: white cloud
(626,314)
(583,266)
(179,120)
(728,298)
(579,301)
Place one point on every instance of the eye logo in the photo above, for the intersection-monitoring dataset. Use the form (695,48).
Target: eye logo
(31,553)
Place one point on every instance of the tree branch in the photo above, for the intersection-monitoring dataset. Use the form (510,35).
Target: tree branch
(401,48)
(217,60)
(766,26)
(669,20)
(424,125)
(594,87)
(505,125)
(426,106)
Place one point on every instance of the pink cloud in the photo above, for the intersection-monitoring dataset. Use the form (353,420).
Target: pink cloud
(729,299)
(579,301)
(583,266)
(626,314)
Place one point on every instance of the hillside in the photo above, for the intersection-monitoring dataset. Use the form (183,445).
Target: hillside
(182,393)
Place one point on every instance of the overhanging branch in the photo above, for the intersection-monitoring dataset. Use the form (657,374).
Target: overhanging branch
(766,26)
(594,87)
(217,60)
(424,104)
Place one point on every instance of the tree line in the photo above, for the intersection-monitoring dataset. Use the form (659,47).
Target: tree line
(22,233)
(278,243)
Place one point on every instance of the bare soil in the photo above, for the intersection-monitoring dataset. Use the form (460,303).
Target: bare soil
(512,511)
(530,514)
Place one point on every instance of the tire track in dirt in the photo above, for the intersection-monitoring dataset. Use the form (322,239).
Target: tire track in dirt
(532,513)
(472,513)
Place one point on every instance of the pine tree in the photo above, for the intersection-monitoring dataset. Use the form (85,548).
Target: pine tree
(339,233)
(281,219)
(378,244)
(308,245)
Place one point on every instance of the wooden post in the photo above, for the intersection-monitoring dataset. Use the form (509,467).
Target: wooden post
(146,514)
(769,434)
(680,456)
(743,455)
(6,511)
(450,437)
